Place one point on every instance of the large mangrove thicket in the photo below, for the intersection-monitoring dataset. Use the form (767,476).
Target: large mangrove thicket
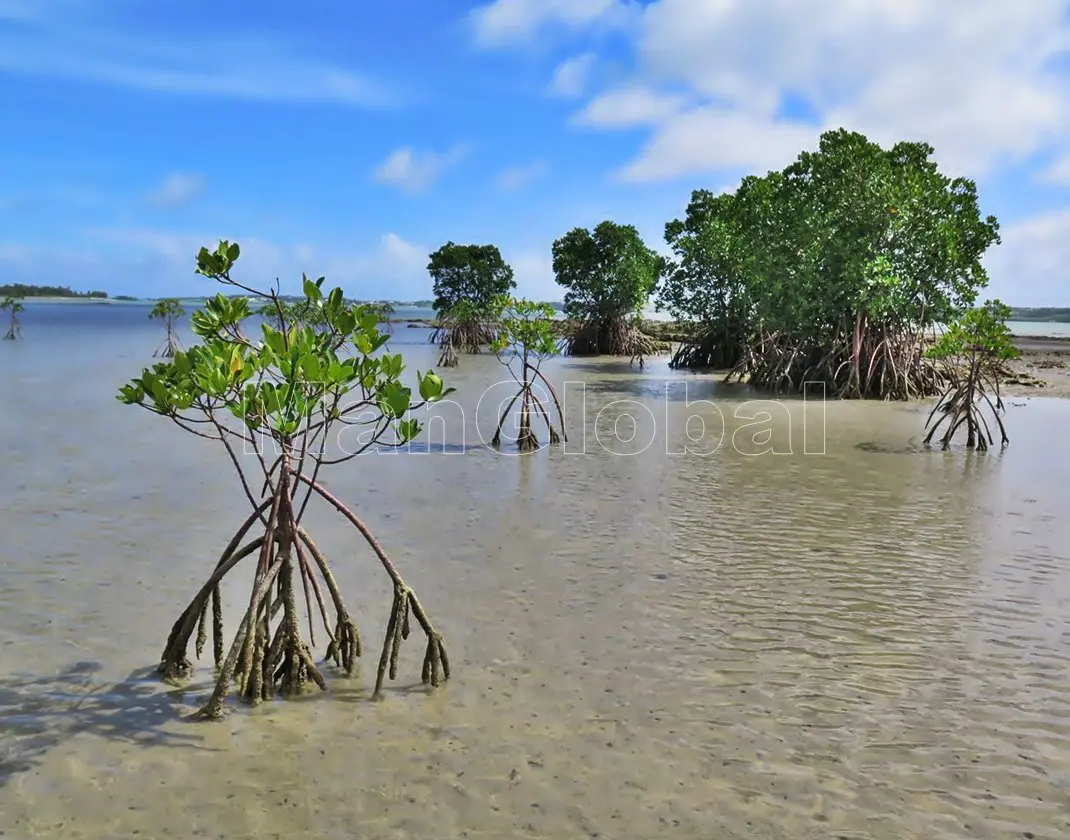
(834,270)
(467,280)
(278,405)
(609,274)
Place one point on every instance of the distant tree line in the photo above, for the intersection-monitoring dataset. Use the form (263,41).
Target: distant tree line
(25,290)
(1030,313)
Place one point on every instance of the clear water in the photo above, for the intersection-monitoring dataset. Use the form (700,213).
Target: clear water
(866,641)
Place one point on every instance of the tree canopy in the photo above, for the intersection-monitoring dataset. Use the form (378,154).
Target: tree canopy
(847,253)
(473,273)
(608,273)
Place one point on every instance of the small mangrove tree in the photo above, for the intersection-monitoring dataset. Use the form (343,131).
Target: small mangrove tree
(608,274)
(272,404)
(467,280)
(13,306)
(974,351)
(526,338)
(168,310)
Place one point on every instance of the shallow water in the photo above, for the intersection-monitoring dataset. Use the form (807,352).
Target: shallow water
(865,643)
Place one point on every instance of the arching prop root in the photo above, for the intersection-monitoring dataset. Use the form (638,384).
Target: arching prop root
(530,403)
(268,654)
(961,404)
(436,666)
(170,346)
(462,335)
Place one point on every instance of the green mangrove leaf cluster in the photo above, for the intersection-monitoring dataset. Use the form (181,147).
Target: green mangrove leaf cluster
(320,367)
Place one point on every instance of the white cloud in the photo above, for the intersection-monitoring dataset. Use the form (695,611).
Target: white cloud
(416,171)
(1057,173)
(506,22)
(629,107)
(709,139)
(62,39)
(177,188)
(1031,267)
(571,76)
(518,177)
(975,78)
(162,262)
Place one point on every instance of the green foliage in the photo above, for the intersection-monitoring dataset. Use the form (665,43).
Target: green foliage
(525,328)
(608,273)
(974,349)
(851,250)
(848,229)
(473,273)
(12,304)
(525,338)
(168,310)
(291,381)
(980,332)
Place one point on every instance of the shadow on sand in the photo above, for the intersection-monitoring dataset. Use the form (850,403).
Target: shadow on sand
(39,713)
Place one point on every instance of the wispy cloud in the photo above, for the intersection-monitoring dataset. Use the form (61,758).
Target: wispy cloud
(508,22)
(570,77)
(518,177)
(69,39)
(414,171)
(1057,173)
(177,188)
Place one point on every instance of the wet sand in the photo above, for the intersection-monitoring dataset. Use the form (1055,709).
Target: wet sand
(853,638)
(1045,359)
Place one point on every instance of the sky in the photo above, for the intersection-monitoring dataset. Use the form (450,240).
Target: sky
(351,139)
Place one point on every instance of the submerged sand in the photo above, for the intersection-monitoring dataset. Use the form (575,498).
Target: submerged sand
(846,637)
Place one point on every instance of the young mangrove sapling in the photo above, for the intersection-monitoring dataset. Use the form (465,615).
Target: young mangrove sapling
(525,339)
(168,310)
(288,391)
(974,350)
(14,306)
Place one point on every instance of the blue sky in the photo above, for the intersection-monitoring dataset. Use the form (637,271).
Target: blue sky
(350,139)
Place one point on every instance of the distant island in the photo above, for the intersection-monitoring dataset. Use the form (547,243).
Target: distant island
(1050,314)
(24,290)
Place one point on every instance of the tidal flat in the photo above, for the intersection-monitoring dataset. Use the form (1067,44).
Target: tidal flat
(848,636)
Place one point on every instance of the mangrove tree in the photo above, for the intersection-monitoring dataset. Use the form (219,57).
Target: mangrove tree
(168,310)
(834,270)
(13,306)
(608,274)
(974,351)
(526,337)
(467,280)
(276,405)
